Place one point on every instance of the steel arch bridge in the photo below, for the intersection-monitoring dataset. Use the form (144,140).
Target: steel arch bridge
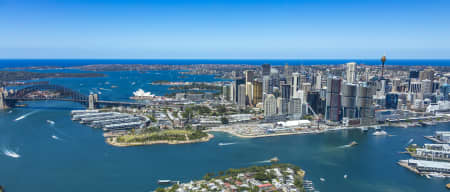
(63,94)
(31,93)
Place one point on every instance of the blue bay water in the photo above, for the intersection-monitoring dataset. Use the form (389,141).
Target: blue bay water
(77,62)
(77,158)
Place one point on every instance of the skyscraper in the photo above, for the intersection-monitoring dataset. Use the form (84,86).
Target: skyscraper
(241,96)
(318,81)
(267,85)
(265,69)
(427,87)
(313,99)
(270,105)
(364,104)
(349,100)
(333,101)
(286,91)
(295,106)
(282,106)
(295,82)
(236,84)
(426,74)
(351,72)
(249,76)
(444,90)
(249,93)
(391,101)
(257,93)
(226,92)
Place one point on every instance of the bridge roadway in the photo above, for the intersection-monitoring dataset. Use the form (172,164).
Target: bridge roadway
(97,103)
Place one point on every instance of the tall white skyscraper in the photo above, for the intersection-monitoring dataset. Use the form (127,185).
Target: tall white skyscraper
(318,82)
(267,85)
(295,82)
(241,96)
(351,72)
(270,105)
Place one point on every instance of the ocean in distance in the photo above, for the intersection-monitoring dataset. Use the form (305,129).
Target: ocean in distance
(77,62)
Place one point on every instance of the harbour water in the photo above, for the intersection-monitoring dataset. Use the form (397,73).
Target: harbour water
(67,156)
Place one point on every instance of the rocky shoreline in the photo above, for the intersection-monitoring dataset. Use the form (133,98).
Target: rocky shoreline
(113,142)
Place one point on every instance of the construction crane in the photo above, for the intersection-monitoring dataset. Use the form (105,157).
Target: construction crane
(314,113)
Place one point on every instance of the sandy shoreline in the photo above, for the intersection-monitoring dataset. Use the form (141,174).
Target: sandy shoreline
(113,142)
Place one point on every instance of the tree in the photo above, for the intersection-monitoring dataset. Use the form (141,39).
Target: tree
(221,109)
(208,176)
(159,189)
(152,118)
(188,113)
(224,120)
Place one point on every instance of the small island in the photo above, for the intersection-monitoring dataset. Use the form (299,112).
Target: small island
(150,137)
(274,177)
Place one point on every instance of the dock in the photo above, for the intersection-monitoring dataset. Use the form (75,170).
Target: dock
(114,122)
(426,168)
(432,138)
(405,165)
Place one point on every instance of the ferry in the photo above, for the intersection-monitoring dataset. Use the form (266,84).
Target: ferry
(164,182)
(167,182)
(353,143)
(379,133)
(274,160)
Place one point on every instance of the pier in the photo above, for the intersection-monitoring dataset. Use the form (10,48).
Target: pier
(109,121)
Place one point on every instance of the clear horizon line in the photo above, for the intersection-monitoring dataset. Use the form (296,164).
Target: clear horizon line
(236,58)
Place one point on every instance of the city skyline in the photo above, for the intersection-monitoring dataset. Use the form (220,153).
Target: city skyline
(224,29)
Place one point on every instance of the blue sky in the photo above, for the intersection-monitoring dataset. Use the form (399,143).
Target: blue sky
(224,29)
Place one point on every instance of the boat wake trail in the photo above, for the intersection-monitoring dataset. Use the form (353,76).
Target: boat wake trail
(25,116)
(225,144)
(261,162)
(11,153)
(56,138)
(410,141)
(344,146)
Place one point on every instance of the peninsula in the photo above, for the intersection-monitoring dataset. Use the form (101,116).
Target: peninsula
(275,177)
(160,137)
(6,76)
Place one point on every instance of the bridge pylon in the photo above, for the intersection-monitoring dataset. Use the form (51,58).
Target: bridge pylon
(93,98)
(3,104)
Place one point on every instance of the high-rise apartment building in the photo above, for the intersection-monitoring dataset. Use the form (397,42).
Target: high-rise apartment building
(351,72)
(270,105)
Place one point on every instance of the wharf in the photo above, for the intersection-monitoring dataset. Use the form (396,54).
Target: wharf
(405,165)
(434,139)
